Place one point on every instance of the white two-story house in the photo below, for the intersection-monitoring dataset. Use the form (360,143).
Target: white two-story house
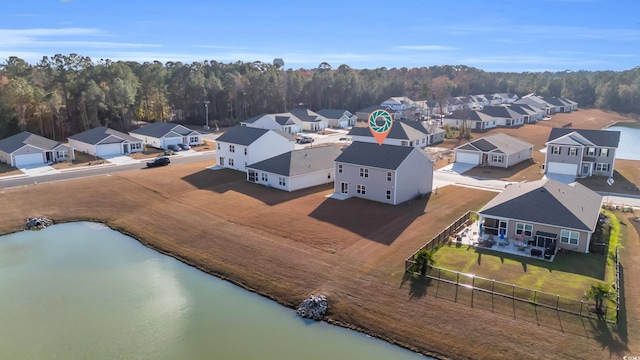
(242,145)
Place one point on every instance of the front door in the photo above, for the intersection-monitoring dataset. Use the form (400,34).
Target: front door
(125,148)
(585,168)
(221,162)
(502,228)
(344,188)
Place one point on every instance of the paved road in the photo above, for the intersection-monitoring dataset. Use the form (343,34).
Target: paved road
(97,170)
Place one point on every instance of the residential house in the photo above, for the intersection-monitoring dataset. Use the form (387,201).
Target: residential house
(311,121)
(285,122)
(498,150)
(363,115)
(531,114)
(545,213)
(474,119)
(162,134)
(399,103)
(507,98)
(560,105)
(504,115)
(384,173)
(27,149)
(297,169)
(243,145)
(534,101)
(582,153)
(338,118)
(102,141)
(403,133)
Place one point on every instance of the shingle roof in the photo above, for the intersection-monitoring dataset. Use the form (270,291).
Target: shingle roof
(547,201)
(373,108)
(246,135)
(597,137)
(502,142)
(380,156)
(160,129)
(15,142)
(96,135)
(300,162)
(306,115)
(499,111)
(332,113)
(404,130)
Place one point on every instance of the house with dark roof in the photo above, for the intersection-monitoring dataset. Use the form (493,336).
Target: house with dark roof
(560,105)
(311,121)
(530,114)
(498,150)
(338,118)
(363,115)
(579,152)
(546,214)
(27,149)
(403,133)
(102,141)
(240,146)
(384,173)
(162,134)
(285,122)
(296,169)
(503,115)
(474,119)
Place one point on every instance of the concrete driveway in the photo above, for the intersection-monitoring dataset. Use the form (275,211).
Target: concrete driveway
(121,159)
(39,170)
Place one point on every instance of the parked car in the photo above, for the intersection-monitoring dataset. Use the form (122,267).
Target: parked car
(304,140)
(160,161)
(184,146)
(173,147)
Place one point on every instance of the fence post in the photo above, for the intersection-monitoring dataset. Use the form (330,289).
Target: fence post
(438,284)
(493,294)
(513,298)
(535,294)
(457,286)
(558,303)
(581,303)
(473,287)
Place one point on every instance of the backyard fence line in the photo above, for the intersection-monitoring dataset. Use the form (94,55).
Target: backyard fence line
(515,294)
(617,281)
(442,237)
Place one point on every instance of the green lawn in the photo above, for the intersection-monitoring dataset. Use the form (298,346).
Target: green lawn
(569,275)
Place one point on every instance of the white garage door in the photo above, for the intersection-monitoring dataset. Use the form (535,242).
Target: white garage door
(172,141)
(561,168)
(467,158)
(109,149)
(30,159)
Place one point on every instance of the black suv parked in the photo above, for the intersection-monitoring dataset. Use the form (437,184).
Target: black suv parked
(161,161)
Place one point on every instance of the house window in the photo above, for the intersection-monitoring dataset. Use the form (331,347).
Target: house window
(252,175)
(424,140)
(265,177)
(603,167)
(339,168)
(245,151)
(591,152)
(232,148)
(569,237)
(388,194)
(526,229)
(231,162)
(282,181)
(361,189)
(573,151)
(497,158)
(555,150)
(194,140)
(218,146)
(403,143)
(364,172)
(389,175)
(604,152)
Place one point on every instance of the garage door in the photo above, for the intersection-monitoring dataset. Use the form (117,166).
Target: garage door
(109,149)
(172,141)
(30,159)
(467,158)
(561,168)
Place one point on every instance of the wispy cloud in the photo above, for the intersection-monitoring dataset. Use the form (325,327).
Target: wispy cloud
(425,47)
(552,32)
(39,38)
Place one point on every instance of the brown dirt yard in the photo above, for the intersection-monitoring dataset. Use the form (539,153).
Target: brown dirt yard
(287,246)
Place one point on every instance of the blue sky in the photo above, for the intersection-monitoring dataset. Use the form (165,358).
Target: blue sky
(502,35)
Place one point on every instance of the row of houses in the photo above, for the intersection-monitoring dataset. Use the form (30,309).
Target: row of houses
(27,149)
(301,119)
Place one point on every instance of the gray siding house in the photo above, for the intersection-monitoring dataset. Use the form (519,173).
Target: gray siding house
(547,214)
(498,150)
(27,149)
(384,173)
(581,153)
(403,133)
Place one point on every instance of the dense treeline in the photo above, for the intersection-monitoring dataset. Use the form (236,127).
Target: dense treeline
(66,94)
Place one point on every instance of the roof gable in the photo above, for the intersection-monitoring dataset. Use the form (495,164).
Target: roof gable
(161,129)
(300,162)
(102,135)
(597,137)
(17,141)
(380,156)
(246,135)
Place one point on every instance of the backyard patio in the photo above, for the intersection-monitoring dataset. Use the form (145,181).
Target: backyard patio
(522,246)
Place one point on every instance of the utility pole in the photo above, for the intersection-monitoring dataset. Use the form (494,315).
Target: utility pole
(206,114)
